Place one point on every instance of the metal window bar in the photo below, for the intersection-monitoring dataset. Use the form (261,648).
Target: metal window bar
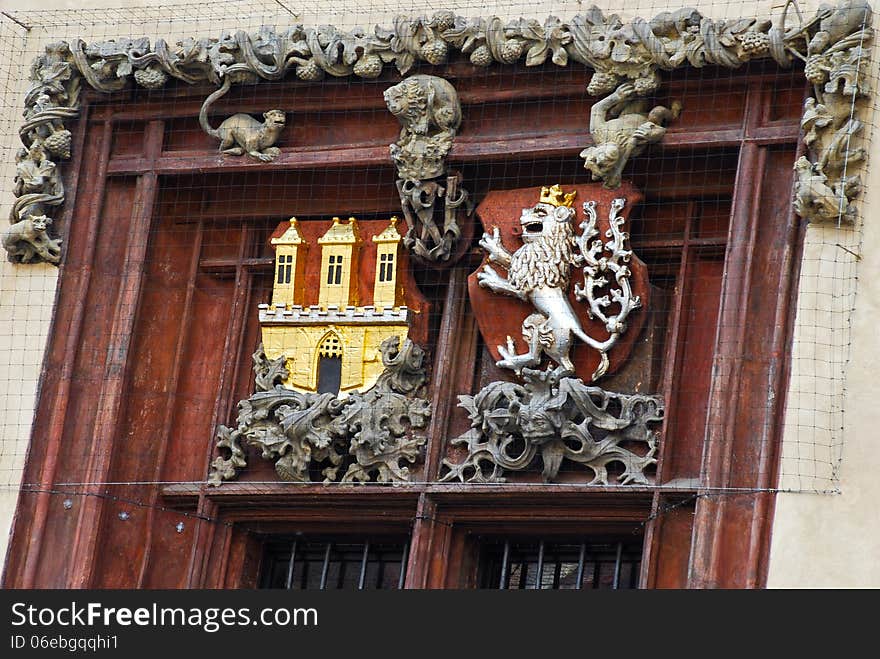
(335,564)
(549,564)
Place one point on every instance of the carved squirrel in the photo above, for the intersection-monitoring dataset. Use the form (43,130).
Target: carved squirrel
(241,133)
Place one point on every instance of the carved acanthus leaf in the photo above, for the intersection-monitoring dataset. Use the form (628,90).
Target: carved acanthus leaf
(562,419)
(369,434)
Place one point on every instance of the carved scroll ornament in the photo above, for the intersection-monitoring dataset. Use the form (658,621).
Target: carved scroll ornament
(834,43)
(560,419)
(429,113)
(359,438)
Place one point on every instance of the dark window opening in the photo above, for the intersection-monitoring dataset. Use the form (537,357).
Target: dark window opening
(335,564)
(285,269)
(334,270)
(560,565)
(386,267)
(329,374)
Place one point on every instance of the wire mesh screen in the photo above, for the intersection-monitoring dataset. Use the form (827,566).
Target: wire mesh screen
(693,337)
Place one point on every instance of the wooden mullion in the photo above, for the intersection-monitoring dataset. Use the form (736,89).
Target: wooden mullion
(725,390)
(234,330)
(671,364)
(117,368)
(170,394)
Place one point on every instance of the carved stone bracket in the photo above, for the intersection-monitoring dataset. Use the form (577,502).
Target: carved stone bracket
(53,98)
(836,64)
(429,114)
(359,438)
(560,419)
(833,44)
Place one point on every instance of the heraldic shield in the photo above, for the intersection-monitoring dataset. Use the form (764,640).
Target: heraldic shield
(558,287)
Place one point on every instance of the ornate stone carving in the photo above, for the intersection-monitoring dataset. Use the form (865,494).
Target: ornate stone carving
(836,63)
(242,134)
(367,435)
(429,113)
(834,44)
(26,241)
(622,127)
(539,272)
(52,98)
(562,419)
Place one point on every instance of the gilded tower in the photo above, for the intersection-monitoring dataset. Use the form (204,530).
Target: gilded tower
(334,346)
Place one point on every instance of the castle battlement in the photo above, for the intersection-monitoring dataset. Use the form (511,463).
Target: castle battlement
(279,314)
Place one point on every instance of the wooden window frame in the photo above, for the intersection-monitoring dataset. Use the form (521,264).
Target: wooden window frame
(691,537)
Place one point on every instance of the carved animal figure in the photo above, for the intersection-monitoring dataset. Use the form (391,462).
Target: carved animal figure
(429,113)
(26,241)
(816,200)
(539,273)
(622,128)
(241,133)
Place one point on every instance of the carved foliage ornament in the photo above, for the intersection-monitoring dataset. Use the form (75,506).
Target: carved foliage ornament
(558,419)
(834,43)
(365,436)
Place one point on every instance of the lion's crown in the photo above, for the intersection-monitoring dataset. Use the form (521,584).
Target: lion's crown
(554,195)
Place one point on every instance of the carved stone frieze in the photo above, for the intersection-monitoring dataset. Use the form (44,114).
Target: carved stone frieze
(429,113)
(560,419)
(362,437)
(834,45)
(53,98)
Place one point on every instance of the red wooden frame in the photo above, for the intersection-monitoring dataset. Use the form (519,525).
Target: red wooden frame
(137,376)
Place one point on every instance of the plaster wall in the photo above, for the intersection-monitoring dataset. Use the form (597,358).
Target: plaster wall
(819,539)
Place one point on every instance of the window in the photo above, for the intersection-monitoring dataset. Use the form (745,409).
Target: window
(335,563)
(330,364)
(577,564)
(386,267)
(285,268)
(334,270)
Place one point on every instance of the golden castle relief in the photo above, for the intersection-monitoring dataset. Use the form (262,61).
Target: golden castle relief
(331,344)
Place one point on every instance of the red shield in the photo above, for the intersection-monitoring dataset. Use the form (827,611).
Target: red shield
(500,316)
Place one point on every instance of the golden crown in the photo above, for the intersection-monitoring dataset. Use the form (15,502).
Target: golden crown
(556,196)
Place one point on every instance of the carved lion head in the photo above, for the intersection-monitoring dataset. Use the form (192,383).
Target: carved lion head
(544,222)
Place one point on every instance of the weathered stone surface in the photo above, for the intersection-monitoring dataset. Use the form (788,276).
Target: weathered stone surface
(359,438)
(560,419)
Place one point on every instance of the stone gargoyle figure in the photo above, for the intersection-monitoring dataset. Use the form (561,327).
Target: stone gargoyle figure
(621,127)
(429,113)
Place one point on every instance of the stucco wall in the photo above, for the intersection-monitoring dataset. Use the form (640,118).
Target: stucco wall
(828,539)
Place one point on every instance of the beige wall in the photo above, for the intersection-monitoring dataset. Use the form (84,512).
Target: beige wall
(829,539)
